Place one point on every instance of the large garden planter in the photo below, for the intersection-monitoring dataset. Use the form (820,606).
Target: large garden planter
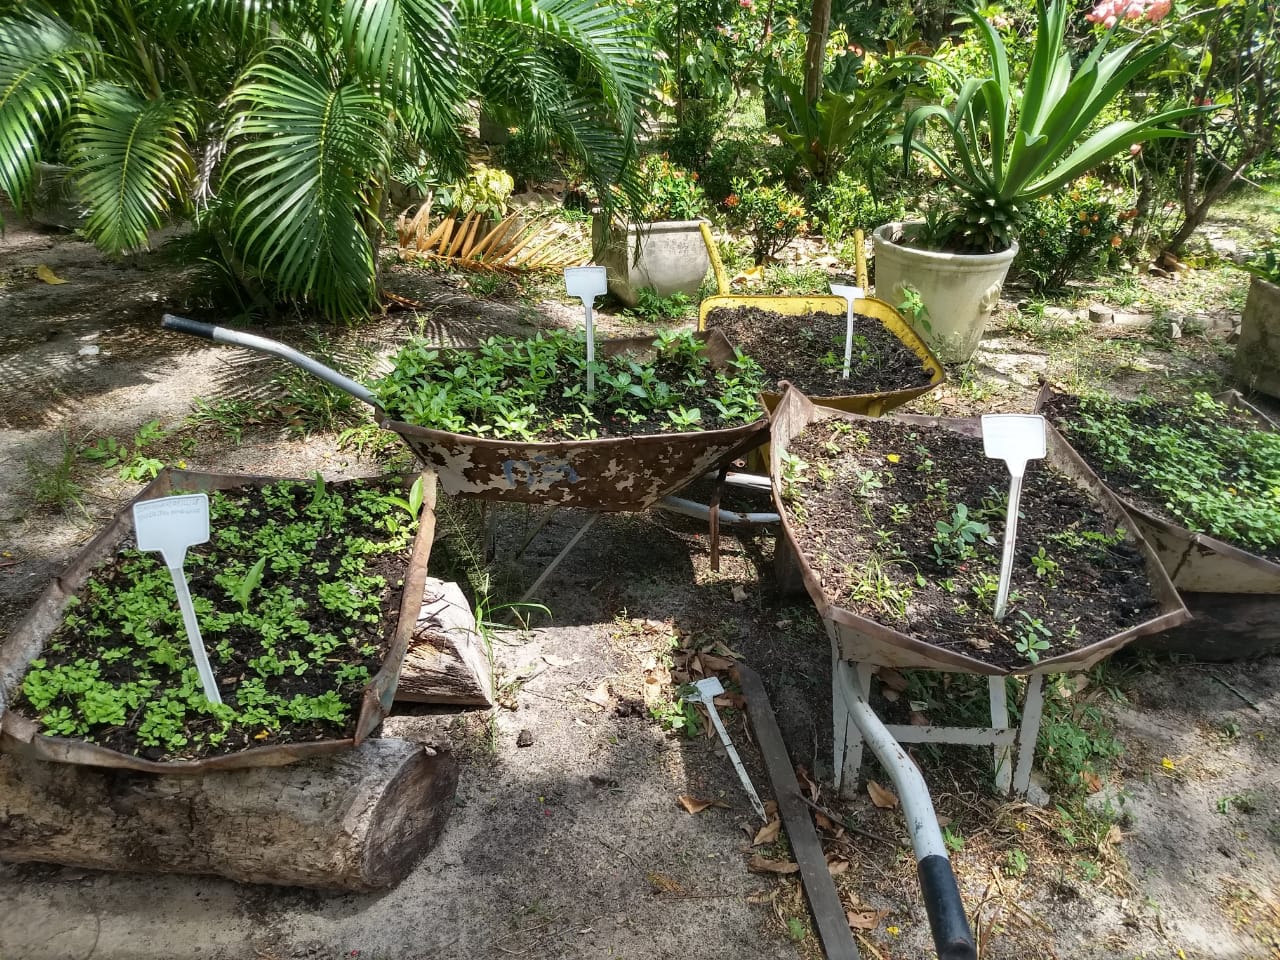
(610,473)
(672,258)
(1233,594)
(867,639)
(959,291)
(29,641)
(1257,363)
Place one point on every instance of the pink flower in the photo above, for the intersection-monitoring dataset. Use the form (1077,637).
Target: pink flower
(1135,149)
(745,4)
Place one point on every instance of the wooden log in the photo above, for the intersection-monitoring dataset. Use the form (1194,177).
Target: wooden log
(358,820)
(447,661)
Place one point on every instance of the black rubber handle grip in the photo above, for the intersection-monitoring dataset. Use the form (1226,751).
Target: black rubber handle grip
(951,934)
(182,325)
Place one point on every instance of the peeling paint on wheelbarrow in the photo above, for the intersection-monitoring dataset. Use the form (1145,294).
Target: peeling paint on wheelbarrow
(866,640)
(21,735)
(612,473)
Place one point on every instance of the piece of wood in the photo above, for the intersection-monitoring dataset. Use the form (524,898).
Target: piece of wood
(824,898)
(447,660)
(358,820)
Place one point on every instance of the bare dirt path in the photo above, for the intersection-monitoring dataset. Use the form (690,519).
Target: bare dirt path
(575,846)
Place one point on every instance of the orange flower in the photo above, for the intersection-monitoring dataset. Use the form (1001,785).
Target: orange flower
(731,200)
(694,174)
(1116,241)
(1085,231)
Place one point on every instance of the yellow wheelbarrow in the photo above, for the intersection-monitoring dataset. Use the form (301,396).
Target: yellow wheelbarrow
(868,404)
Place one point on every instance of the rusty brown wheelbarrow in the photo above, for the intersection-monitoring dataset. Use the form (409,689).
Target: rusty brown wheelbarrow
(20,735)
(1232,593)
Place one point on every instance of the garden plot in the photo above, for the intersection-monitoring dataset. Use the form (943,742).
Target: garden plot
(617,856)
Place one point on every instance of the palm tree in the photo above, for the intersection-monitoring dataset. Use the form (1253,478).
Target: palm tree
(276,122)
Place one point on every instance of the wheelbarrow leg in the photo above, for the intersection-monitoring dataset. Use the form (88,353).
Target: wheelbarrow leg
(1000,721)
(846,737)
(559,557)
(1028,732)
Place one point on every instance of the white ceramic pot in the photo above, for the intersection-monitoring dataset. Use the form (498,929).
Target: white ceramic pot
(1257,364)
(959,291)
(673,258)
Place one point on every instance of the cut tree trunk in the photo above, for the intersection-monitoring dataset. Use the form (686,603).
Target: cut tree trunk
(816,49)
(447,661)
(352,821)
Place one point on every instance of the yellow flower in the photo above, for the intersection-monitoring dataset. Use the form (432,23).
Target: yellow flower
(894,931)
(892,457)
(1168,764)
(182,464)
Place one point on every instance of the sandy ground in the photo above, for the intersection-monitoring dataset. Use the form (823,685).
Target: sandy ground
(575,846)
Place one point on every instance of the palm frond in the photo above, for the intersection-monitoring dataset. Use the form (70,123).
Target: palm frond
(307,147)
(44,64)
(131,161)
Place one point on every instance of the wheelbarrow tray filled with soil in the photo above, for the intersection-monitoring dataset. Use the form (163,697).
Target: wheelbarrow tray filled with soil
(788,337)
(137,650)
(612,473)
(900,553)
(1232,591)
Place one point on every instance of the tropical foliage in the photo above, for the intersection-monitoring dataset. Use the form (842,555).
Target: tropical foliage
(277,124)
(1012,142)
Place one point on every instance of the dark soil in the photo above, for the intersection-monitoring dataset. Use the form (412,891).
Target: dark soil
(809,351)
(204,562)
(880,562)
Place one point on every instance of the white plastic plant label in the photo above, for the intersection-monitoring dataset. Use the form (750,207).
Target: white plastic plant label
(1014,438)
(170,525)
(849,294)
(587,283)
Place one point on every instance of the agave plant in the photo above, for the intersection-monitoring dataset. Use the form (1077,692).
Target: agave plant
(1014,142)
(276,122)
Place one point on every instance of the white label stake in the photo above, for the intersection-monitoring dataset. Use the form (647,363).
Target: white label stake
(850,294)
(1014,438)
(708,690)
(587,283)
(170,525)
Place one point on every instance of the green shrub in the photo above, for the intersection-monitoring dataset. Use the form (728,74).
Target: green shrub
(730,157)
(1072,234)
(528,159)
(696,130)
(845,204)
(771,214)
(672,192)
(1265,262)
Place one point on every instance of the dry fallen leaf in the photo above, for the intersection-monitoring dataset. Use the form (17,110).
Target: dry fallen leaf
(918,719)
(807,782)
(47,275)
(890,695)
(711,662)
(693,804)
(1091,781)
(600,696)
(882,797)
(892,679)
(836,866)
(768,833)
(771,808)
(864,918)
(661,883)
(739,593)
(759,864)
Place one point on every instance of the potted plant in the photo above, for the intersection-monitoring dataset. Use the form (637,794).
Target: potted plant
(662,249)
(1257,364)
(1011,140)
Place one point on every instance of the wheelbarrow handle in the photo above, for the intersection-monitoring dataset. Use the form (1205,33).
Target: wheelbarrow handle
(209,331)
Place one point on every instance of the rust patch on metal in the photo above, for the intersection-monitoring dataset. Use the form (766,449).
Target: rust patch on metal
(611,474)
